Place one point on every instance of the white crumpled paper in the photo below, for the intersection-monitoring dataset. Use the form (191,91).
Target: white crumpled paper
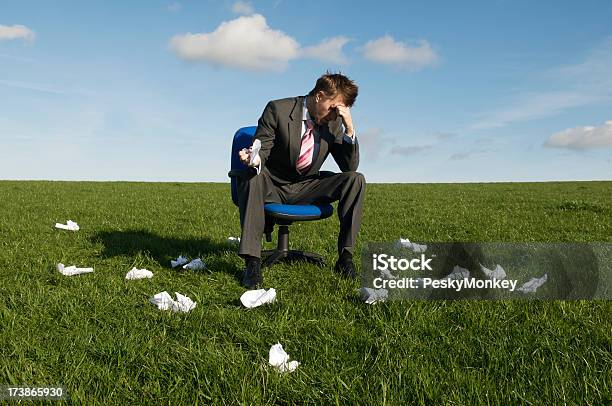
(255,153)
(255,298)
(70,226)
(195,265)
(419,282)
(405,243)
(386,273)
(181,260)
(458,273)
(533,284)
(136,273)
(279,359)
(233,240)
(497,273)
(72,270)
(164,301)
(371,296)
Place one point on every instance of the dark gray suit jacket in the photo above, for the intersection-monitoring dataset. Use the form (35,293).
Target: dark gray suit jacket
(280,131)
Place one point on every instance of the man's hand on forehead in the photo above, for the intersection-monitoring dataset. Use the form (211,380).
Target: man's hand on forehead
(347,120)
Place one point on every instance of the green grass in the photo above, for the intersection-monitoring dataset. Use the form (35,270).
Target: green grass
(98,335)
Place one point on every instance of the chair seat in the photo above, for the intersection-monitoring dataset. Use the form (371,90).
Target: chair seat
(297,212)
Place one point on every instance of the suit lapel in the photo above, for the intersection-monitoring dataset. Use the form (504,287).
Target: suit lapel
(295,131)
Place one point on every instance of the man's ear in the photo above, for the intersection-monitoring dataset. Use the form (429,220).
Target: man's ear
(320,96)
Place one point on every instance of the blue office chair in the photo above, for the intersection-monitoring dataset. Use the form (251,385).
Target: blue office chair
(281,214)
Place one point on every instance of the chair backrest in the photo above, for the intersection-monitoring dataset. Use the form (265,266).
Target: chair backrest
(242,139)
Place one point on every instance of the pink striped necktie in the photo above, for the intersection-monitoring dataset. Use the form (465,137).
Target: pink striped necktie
(305,159)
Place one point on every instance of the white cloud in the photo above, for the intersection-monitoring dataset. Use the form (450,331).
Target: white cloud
(371,143)
(16,32)
(583,137)
(243,8)
(17,58)
(389,51)
(586,83)
(175,7)
(410,149)
(460,155)
(329,50)
(246,42)
(533,106)
(39,87)
(457,156)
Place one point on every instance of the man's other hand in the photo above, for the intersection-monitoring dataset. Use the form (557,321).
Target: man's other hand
(245,157)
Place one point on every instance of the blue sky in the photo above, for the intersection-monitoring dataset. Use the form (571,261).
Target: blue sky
(154,90)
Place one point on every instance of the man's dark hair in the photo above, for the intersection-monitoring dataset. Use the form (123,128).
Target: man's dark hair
(336,83)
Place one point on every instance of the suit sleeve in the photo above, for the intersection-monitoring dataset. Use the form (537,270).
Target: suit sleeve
(265,133)
(346,154)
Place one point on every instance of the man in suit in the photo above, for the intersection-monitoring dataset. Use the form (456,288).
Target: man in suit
(297,134)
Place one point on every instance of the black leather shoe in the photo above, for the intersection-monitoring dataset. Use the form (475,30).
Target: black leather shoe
(346,268)
(252,273)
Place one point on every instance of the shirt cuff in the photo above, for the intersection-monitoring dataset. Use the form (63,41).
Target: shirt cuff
(348,139)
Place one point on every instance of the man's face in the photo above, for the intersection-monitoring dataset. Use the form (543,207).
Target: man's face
(325,108)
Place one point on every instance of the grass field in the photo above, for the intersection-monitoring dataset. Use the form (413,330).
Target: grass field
(97,335)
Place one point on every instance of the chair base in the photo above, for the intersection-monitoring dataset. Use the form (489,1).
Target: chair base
(270,257)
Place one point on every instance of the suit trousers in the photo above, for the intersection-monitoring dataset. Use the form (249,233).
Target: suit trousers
(255,190)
